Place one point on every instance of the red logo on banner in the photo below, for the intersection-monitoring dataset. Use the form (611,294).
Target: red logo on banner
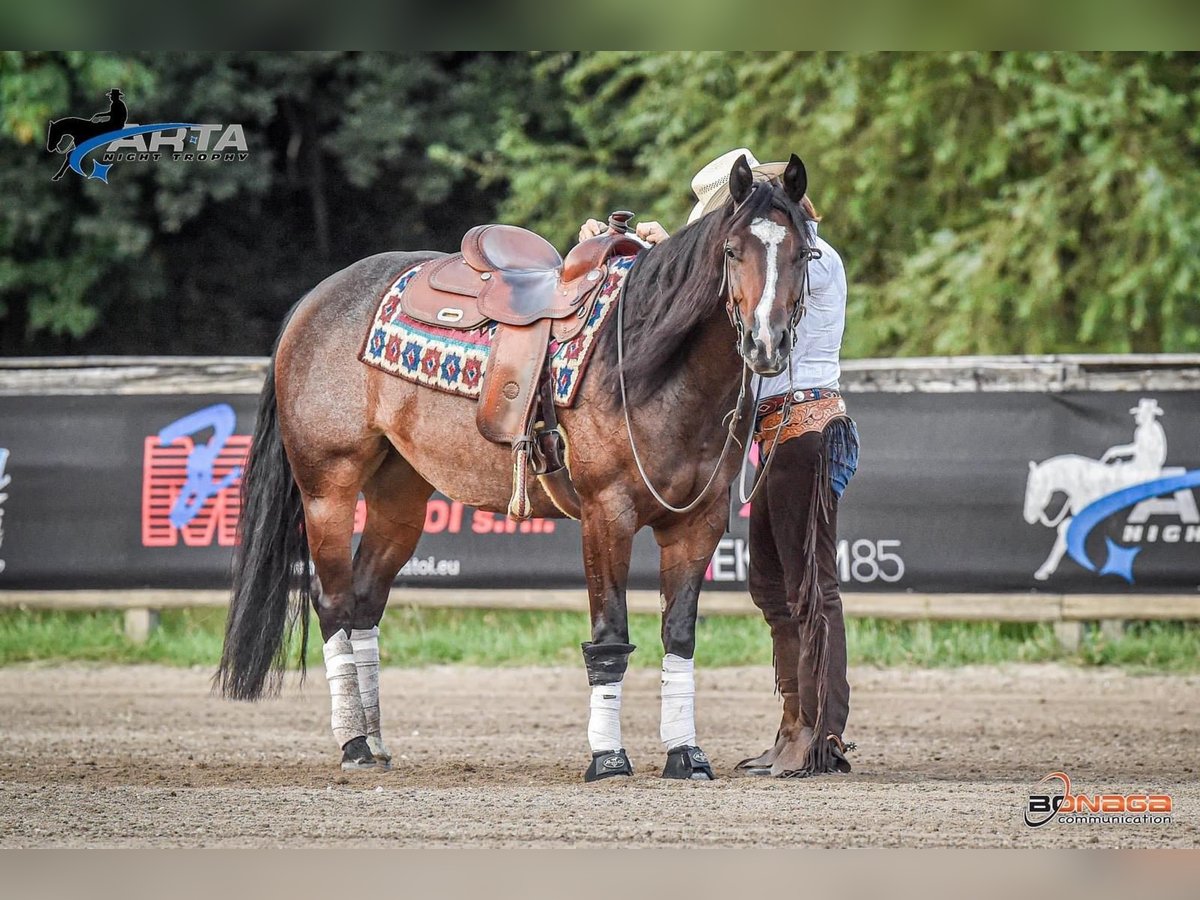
(164,475)
(191,490)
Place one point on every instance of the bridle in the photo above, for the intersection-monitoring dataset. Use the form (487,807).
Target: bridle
(735,414)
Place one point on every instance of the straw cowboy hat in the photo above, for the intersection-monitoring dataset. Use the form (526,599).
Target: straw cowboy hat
(711,184)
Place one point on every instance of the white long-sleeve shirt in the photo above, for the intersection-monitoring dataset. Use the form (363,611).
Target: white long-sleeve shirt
(816,354)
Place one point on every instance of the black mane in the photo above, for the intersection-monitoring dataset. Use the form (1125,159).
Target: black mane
(672,290)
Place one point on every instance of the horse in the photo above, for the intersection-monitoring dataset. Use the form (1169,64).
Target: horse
(699,313)
(1083,479)
(78,130)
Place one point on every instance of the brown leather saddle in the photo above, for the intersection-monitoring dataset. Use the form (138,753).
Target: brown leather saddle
(516,278)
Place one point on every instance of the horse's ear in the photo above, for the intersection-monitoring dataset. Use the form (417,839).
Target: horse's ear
(741,179)
(795,179)
(1032,465)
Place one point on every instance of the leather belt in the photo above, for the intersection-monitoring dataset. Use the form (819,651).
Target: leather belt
(812,413)
(774,403)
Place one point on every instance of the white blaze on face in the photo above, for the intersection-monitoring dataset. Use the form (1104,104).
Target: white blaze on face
(771,234)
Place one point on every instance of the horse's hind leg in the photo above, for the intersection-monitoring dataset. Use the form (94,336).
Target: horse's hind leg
(396,497)
(353,593)
(330,494)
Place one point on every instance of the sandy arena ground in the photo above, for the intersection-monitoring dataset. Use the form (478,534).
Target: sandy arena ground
(144,756)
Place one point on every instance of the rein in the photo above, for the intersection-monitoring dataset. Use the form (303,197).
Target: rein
(734,415)
(797,313)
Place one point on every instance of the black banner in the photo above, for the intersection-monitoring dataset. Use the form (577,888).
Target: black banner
(991,491)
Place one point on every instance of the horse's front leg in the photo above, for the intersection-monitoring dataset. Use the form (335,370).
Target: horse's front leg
(686,548)
(1056,552)
(608,529)
(62,170)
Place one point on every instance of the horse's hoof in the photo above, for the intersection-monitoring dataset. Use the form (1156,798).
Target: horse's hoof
(688,764)
(606,764)
(357,755)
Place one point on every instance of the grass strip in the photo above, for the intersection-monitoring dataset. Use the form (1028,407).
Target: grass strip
(420,636)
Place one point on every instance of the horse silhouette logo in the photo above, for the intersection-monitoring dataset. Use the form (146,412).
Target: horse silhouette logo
(68,133)
(1125,475)
(110,132)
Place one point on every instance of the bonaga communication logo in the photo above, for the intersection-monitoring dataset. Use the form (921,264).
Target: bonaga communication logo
(114,138)
(1055,802)
(1131,476)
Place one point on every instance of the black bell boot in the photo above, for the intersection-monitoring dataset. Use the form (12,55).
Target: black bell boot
(688,764)
(606,764)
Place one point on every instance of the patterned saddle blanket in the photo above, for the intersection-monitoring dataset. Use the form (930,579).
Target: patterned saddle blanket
(455,361)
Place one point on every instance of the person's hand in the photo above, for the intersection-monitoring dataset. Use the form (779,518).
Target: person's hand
(651,232)
(593,228)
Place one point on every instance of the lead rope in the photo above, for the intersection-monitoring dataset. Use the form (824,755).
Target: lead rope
(734,414)
(743,498)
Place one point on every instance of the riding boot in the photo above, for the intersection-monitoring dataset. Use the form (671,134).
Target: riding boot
(786,639)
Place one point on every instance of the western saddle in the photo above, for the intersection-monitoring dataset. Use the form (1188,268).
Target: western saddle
(516,278)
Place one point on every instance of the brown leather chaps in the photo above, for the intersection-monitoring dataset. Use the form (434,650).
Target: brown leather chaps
(793,580)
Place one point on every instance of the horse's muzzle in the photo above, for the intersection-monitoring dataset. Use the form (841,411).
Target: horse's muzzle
(764,361)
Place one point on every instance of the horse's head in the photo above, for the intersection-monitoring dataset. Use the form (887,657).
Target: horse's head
(766,252)
(54,137)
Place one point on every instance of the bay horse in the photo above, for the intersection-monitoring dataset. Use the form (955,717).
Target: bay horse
(700,312)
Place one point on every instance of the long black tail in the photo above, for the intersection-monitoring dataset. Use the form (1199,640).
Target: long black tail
(270,566)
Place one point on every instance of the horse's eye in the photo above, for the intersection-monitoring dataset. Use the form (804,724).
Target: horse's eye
(729,251)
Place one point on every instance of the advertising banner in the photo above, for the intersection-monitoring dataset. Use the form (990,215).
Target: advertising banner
(1084,492)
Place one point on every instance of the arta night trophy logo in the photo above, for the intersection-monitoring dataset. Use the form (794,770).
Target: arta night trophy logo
(76,138)
(1127,476)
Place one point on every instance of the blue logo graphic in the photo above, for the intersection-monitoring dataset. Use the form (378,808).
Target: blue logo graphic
(200,484)
(110,131)
(1120,557)
(100,171)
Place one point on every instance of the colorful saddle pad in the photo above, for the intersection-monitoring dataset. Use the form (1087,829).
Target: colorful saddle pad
(455,361)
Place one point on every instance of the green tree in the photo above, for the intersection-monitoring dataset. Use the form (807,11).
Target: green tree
(984,203)
(351,154)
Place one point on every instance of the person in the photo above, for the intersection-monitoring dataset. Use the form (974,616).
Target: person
(117,113)
(801,422)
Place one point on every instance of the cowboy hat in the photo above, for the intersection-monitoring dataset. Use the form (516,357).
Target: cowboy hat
(711,184)
(1147,405)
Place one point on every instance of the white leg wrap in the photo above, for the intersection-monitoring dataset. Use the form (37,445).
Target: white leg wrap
(604,723)
(348,720)
(365,642)
(678,702)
